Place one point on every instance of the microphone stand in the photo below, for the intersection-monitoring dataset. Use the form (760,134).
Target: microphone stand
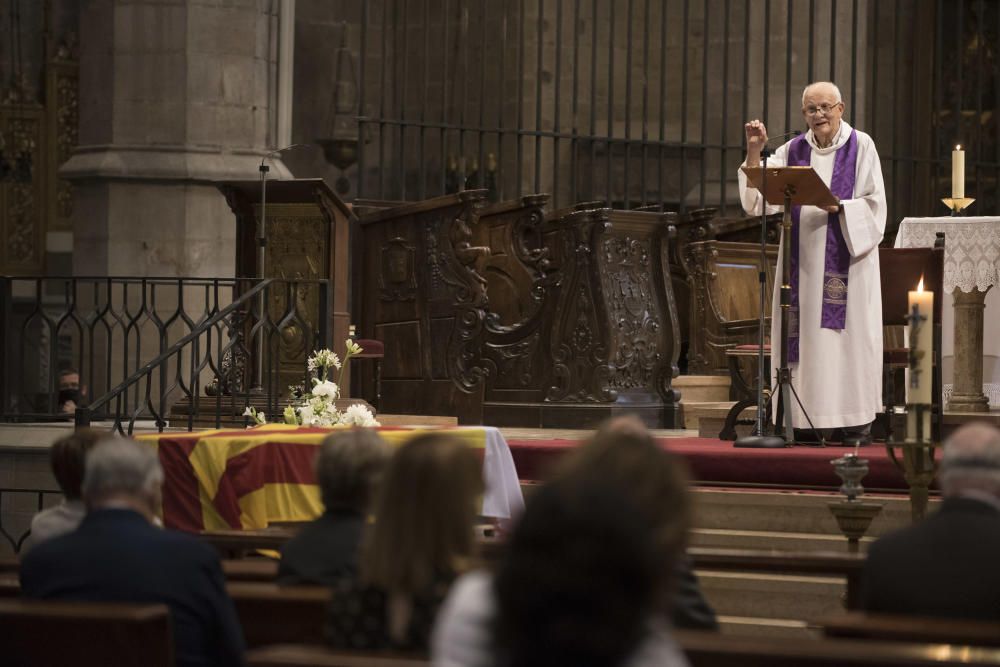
(759,437)
(258,387)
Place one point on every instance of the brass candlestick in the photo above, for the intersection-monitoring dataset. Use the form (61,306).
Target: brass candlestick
(917,461)
(957,205)
(853,516)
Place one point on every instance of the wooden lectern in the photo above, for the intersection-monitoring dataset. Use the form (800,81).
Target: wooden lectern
(787,186)
(308,232)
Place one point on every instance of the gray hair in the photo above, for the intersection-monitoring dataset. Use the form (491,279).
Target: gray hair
(971,460)
(120,467)
(805,90)
(348,466)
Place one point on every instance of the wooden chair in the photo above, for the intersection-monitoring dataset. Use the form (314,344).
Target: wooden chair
(85,634)
(375,350)
(892,627)
(901,270)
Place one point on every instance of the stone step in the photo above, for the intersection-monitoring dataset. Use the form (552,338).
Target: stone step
(788,597)
(789,511)
(712,420)
(697,412)
(701,388)
(752,539)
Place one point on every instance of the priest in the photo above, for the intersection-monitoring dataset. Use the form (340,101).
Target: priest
(835,319)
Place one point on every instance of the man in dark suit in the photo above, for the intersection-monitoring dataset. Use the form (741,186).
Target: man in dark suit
(348,466)
(946,565)
(118,555)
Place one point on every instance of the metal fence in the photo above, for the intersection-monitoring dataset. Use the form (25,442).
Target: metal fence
(638,102)
(130,349)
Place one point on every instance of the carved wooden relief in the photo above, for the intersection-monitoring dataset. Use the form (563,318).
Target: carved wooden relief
(629,294)
(22,188)
(581,371)
(62,131)
(397,270)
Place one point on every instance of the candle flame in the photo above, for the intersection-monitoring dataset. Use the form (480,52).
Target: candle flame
(958,147)
(920,285)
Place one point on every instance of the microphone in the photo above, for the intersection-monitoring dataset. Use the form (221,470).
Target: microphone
(273,153)
(782,136)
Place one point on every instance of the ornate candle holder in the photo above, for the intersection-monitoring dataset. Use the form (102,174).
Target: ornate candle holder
(853,516)
(915,460)
(957,205)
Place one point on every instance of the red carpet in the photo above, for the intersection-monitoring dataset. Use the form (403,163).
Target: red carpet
(718,462)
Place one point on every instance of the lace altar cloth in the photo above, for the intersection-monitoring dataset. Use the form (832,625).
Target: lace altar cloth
(971,248)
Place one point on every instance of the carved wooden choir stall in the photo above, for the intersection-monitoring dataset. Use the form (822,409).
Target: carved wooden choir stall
(583,326)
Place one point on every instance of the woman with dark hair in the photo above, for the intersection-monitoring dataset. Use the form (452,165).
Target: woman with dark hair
(578,585)
(422,538)
(66,457)
(476,627)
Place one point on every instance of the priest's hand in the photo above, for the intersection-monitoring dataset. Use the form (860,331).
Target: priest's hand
(756,138)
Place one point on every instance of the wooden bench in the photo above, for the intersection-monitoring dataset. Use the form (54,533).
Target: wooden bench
(703,649)
(238,543)
(250,569)
(273,614)
(42,633)
(707,649)
(892,627)
(815,563)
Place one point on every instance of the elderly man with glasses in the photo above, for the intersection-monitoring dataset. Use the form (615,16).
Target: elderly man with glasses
(835,321)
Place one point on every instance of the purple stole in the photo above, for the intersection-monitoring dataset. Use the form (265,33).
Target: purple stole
(838,258)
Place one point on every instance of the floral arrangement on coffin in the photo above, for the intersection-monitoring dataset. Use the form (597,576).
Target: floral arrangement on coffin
(318,406)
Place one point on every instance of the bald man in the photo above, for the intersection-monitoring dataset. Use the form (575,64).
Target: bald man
(835,322)
(947,565)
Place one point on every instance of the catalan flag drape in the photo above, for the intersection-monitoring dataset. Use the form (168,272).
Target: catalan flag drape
(250,478)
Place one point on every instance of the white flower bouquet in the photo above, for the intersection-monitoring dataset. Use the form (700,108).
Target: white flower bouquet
(318,405)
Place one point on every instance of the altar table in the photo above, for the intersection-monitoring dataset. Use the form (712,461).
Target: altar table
(971,268)
(250,478)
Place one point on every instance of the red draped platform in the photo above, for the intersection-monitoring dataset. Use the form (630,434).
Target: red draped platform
(717,462)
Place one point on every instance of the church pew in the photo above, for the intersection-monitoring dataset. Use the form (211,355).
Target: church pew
(813,563)
(893,627)
(295,655)
(37,633)
(10,585)
(273,614)
(238,543)
(250,569)
(703,649)
(706,649)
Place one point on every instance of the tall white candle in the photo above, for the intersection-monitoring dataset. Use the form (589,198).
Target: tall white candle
(918,385)
(958,173)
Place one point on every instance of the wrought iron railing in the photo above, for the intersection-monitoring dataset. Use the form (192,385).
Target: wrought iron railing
(146,345)
(17,541)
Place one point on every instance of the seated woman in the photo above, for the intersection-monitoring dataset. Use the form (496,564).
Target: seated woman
(66,457)
(565,592)
(422,538)
(349,465)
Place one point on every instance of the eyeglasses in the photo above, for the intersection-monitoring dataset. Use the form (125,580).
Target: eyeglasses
(825,109)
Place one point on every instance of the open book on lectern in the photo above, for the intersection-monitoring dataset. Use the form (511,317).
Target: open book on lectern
(802,184)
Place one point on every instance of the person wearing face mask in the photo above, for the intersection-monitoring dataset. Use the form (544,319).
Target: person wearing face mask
(835,321)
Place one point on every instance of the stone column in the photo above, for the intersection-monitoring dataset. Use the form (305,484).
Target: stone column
(174,95)
(968,391)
